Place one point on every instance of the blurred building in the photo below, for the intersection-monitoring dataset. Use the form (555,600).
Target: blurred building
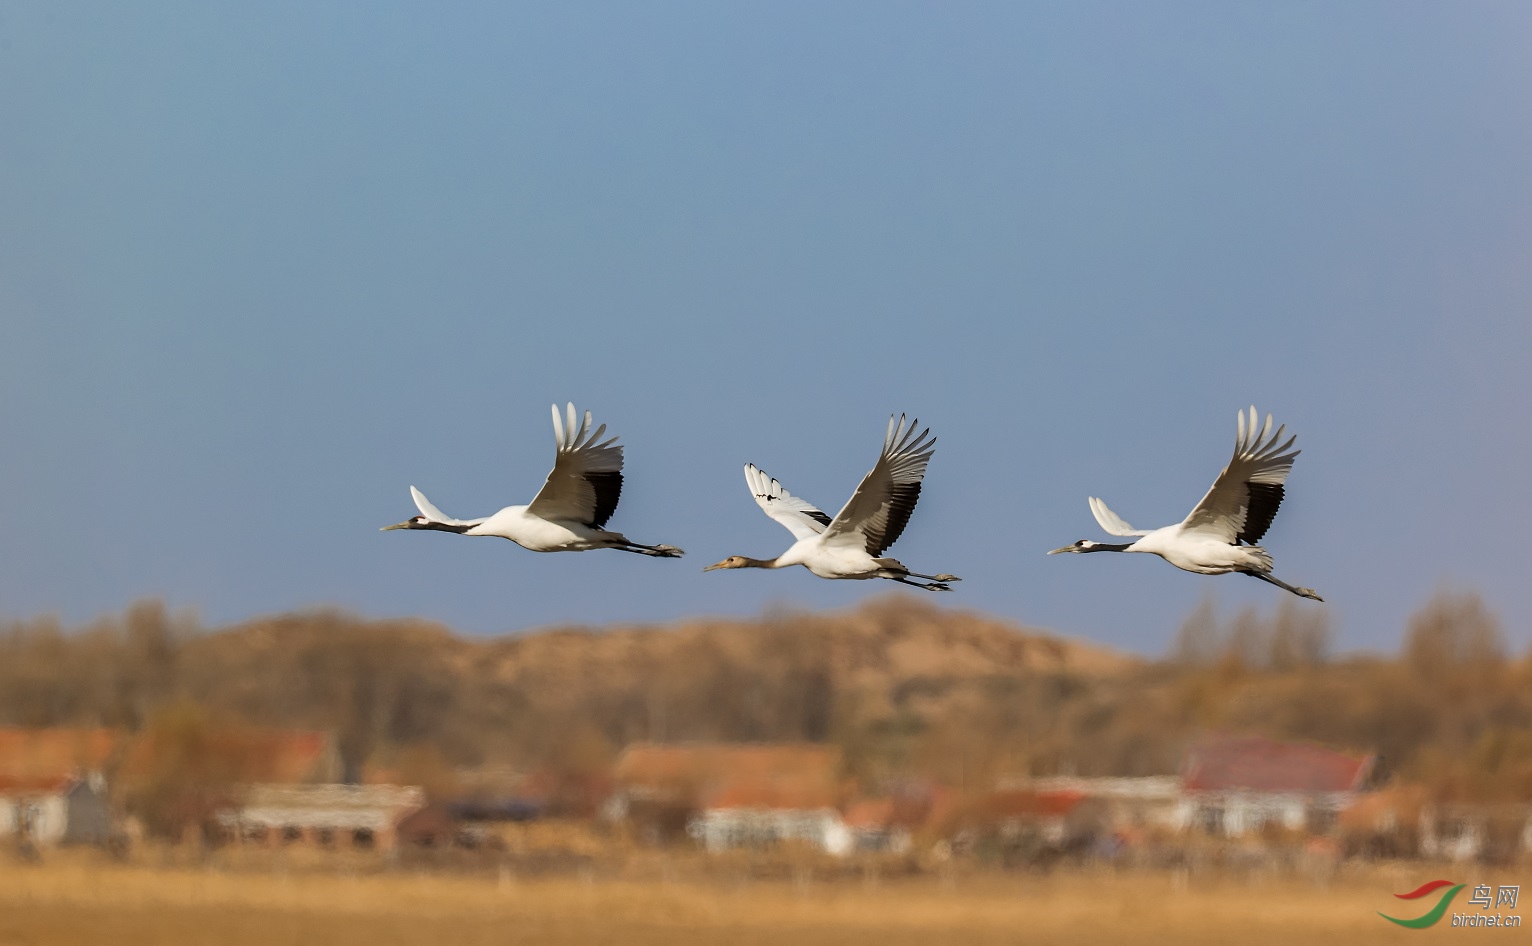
(49,752)
(876,825)
(364,816)
(53,787)
(749,812)
(1125,803)
(1486,833)
(1011,813)
(289,755)
(494,792)
(430,826)
(1386,822)
(67,810)
(1236,785)
(727,795)
(259,755)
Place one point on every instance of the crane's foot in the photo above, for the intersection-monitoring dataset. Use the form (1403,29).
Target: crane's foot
(945,578)
(1309,593)
(654,551)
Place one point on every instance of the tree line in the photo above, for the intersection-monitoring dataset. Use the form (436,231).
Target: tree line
(906,689)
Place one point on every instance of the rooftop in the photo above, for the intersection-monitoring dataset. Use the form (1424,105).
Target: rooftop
(730,775)
(1254,763)
(373,807)
(36,756)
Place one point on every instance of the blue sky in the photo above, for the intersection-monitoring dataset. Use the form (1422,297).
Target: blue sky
(264,266)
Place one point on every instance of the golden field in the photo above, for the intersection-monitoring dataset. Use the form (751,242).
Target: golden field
(91,900)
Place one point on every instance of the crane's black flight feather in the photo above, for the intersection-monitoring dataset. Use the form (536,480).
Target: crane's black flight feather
(901,504)
(1265,498)
(608,489)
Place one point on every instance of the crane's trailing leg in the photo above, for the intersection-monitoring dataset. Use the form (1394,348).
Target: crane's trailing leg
(938,578)
(932,586)
(894,569)
(1300,592)
(657,551)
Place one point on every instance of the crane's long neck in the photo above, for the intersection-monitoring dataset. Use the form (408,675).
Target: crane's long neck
(1103,547)
(761,562)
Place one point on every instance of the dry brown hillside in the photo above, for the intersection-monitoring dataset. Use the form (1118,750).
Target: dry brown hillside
(873,677)
(902,687)
(877,679)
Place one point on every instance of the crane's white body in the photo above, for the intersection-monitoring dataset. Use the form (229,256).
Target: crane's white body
(568,513)
(851,546)
(543,535)
(1201,553)
(1219,535)
(835,561)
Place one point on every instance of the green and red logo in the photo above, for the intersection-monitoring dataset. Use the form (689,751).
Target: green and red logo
(1435,913)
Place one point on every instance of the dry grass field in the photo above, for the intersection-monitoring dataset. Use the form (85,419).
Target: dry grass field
(89,900)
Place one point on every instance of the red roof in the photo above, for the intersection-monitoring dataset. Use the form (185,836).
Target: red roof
(722,775)
(1257,764)
(775,794)
(38,756)
(291,755)
(34,785)
(870,813)
(1013,803)
(274,756)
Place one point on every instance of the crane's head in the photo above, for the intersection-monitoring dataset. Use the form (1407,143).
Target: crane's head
(1086,545)
(421,522)
(414,522)
(733,561)
(740,561)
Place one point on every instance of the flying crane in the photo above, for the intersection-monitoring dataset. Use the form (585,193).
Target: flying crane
(1221,533)
(851,545)
(569,513)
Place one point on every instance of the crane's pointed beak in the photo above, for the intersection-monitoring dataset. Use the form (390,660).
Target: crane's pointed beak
(398,525)
(1067,548)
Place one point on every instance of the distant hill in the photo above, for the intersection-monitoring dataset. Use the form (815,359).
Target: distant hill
(884,645)
(902,687)
(577,695)
(875,679)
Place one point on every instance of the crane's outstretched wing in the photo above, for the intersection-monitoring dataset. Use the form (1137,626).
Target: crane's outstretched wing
(436,515)
(1110,522)
(802,518)
(880,508)
(586,481)
(1244,498)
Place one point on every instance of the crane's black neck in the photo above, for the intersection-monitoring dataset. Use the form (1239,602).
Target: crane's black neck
(1102,547)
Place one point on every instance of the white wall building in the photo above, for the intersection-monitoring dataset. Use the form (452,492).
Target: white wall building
(718,829)
(1237,785)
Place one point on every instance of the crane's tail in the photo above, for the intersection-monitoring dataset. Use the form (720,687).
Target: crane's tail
(1256,559)
(427,508)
